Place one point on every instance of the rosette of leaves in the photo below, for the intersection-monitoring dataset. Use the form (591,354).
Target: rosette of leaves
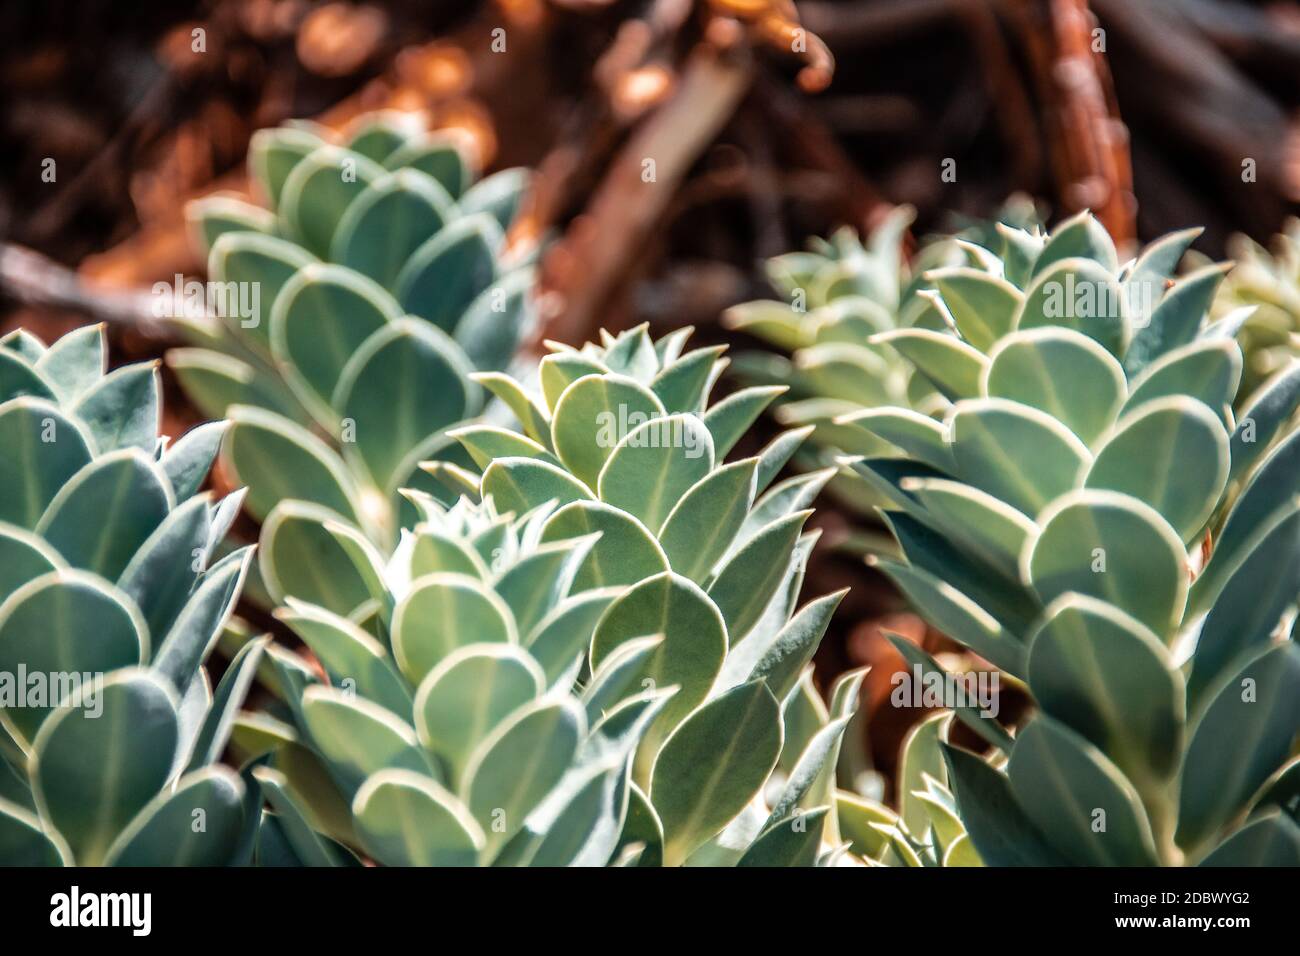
(840,304)
(348,313)
(598,648)
(111,597)
(1268,280)
(835,298)
(1093,518)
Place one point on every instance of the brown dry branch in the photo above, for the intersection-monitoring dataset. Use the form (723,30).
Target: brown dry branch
(1088,144)
(602,243)
(33,279)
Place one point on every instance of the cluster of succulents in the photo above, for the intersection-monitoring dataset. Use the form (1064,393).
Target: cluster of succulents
(530,615)
(372,283)
(1093,518)
(588,658)
(111,598)
(842,303)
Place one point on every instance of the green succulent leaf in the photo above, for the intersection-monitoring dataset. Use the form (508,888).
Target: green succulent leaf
(782,657)
(791,842)
(957,615)
(1060,372)
(272,155)
(25,841)
(1146,454)
(922,757)
(164,832)
(563,637)
(69,623)
(1247,610)
(704,523)
(498,195)
(654,465)
(187,462)
(215,382)
(730,418)
(1207,370)
(387,222)
(212,217)
(1243,735)
(750,578)
(593,416)
(445,274)
(1176,319)
(713,765)
(1112,547)
(19,379)
(1106,676)
(280,460)
(123,409)
(357,737)
(264,263)
(471,692)
(319,190)
(106,511)
(321,318)
(496,323)
(24,556)
(443,612)
(625,553)
(75,363)
(435,156)
(406,382)
(348,653)
(1271,841)
(1264,416)
(407,819)
(984,526)
(1078,799)
(124,757)
(43,449)
(694,638)
(994,442)
(983,306)
(299,557)
(1079,237)
(953,367)
(517,765)
(998,826)
(197,628)
(1082,295)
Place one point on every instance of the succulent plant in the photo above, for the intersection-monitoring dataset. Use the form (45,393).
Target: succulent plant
(835,299)
(1092,517)
(1268,280)
(842,303)
(593,656)
(111,597)
(341,323)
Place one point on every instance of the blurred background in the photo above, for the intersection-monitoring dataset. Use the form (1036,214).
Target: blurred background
(768,122)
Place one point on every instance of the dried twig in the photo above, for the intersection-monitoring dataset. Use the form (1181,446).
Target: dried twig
(33,279)
(602,244)
(1088,144)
